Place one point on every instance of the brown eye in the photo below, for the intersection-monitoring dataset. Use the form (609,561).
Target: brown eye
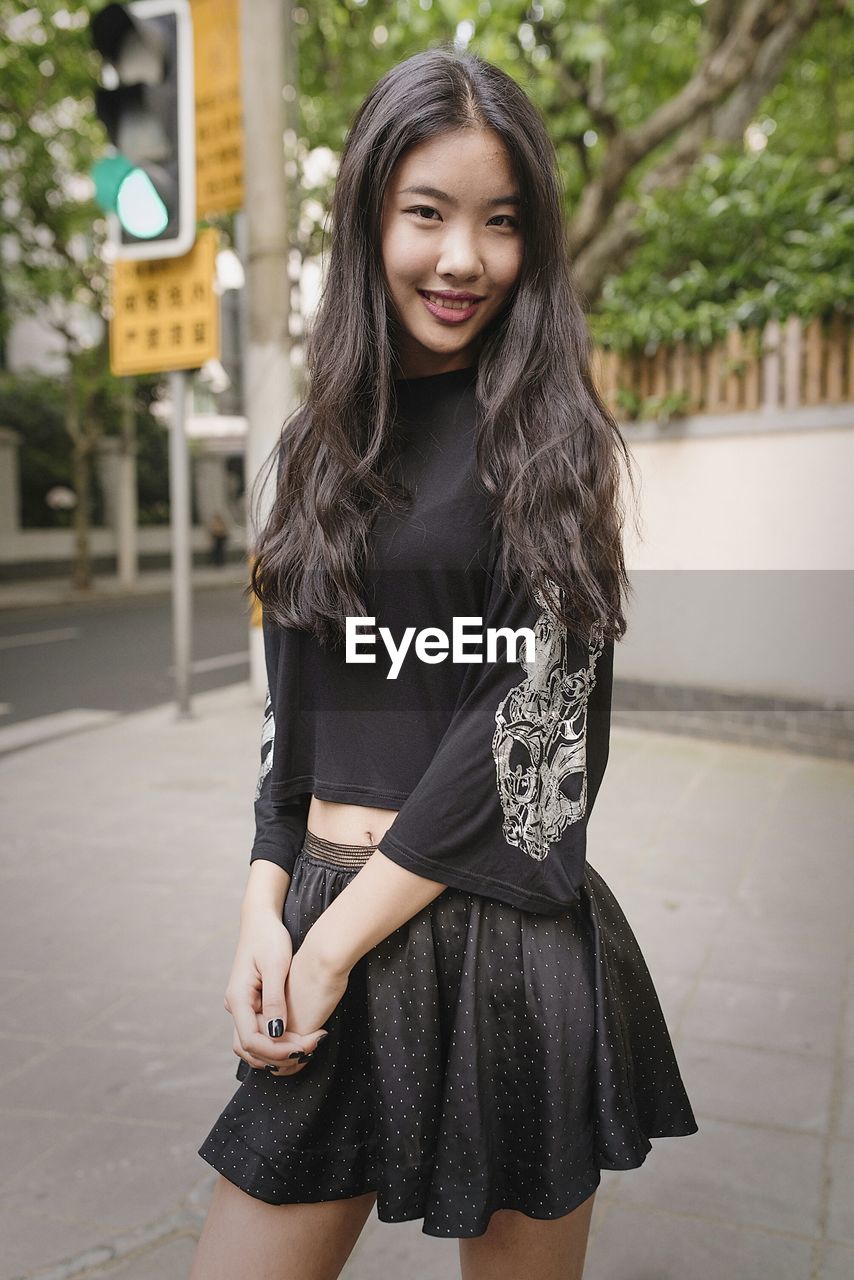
(420,208)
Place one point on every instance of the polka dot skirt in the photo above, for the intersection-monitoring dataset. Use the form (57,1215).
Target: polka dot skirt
(482,1057)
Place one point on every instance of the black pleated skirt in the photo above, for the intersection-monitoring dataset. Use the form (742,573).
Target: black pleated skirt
(482,1057)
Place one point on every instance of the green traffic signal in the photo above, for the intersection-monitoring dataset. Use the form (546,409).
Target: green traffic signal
(139,207)
(130,192)
(145,101)
(108,175)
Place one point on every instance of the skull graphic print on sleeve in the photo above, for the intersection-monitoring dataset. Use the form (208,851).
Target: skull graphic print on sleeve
(540,740)
(504,804)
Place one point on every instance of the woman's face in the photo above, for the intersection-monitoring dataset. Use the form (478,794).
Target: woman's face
(450,223)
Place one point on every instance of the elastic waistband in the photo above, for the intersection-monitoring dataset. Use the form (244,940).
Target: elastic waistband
(338,855)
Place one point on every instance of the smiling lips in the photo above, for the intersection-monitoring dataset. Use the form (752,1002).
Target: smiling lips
(452,308)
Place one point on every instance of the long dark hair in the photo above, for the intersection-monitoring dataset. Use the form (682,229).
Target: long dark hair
(547,447)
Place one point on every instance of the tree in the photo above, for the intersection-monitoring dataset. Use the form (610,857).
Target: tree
(661,113)
(743,47)
(33,404)
(51,230)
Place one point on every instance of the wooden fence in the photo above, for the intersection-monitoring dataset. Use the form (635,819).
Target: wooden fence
(783,366)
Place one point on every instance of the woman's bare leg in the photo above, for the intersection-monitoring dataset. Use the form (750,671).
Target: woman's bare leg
(515,1245)
(246,1237)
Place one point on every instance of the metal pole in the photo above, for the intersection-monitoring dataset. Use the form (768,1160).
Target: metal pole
(265,37)
(179,517)
(241,245)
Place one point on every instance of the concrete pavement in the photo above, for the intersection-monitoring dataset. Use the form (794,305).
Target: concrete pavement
(125,852)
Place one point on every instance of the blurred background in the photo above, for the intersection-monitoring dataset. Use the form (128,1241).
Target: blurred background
(165,177)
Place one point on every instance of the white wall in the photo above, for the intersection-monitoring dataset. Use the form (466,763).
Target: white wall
(744,577)
(29,545)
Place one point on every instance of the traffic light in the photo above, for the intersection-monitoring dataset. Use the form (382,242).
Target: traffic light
(147,185)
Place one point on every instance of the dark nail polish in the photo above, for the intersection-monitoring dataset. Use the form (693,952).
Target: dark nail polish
(296,1053)
(275,1028)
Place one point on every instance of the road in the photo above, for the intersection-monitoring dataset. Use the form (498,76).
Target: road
(114,655)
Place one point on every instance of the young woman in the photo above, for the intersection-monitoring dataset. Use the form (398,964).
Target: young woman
(418,886)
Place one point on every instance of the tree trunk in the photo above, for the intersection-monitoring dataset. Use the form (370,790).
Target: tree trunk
(81,572)
(743,52)
(81,455)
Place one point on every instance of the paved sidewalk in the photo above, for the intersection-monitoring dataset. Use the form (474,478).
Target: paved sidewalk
(17,595)
(125,852)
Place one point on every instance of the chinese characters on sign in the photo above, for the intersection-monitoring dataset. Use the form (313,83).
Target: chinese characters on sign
(219,121)
(165,314)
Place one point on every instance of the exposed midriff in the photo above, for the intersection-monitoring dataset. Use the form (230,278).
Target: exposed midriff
(348,823)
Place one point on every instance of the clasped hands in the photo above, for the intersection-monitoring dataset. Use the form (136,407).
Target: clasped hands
(257,995)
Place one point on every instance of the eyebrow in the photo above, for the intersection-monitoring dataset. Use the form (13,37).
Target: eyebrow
(443,195)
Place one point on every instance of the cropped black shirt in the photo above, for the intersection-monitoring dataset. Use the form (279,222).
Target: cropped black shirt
(493,766)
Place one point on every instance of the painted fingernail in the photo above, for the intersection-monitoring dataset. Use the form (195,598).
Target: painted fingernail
(275,1028)
(272,1068)
(297,1053)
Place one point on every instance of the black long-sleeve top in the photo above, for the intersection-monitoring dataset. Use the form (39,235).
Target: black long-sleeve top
(494,765)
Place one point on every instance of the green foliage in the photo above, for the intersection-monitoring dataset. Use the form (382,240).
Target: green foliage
(33,405)
(152,460)
(50,137)
(747,237)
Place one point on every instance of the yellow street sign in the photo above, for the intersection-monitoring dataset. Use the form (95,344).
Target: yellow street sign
(165,314)
(219,116)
